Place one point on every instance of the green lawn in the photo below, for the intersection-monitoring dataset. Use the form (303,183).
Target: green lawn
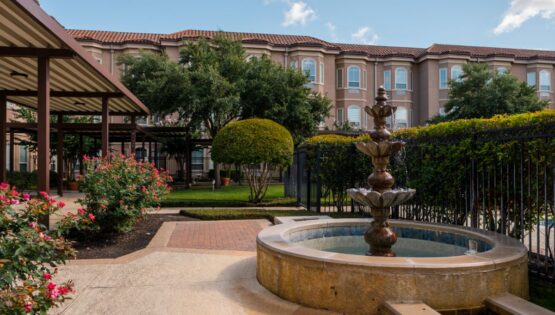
(226,196)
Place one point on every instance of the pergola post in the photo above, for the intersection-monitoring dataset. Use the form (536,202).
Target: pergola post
(105,127)
(3,103)
(133,136)
(43,124)
(12,147)
(60,156)
(123,147)
(150,151)
(143,149)
(156,159)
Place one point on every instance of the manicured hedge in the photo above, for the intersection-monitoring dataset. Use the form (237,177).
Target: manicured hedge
(439,160)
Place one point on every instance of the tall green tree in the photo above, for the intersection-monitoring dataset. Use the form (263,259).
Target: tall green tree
(282,95)
(216,70)
(482,93)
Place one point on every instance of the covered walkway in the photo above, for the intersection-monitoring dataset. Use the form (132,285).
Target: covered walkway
(42,67)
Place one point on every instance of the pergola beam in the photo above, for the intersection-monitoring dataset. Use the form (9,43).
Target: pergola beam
(30,52)
(80,94)
(105,127)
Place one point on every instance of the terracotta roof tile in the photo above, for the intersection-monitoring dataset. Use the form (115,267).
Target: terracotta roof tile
(381,51)
(107,37)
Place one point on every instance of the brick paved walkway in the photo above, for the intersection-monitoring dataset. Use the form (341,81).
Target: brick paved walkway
(223,235)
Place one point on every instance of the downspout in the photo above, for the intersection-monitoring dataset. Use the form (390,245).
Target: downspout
(285,57)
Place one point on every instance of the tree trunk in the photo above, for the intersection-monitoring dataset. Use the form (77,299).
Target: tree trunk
(217,179)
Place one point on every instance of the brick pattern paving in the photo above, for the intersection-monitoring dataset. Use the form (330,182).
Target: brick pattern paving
(223,235)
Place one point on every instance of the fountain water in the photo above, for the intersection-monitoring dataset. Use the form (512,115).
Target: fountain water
(380,197)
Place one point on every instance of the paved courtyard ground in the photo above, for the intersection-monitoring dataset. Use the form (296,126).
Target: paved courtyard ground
(188,268)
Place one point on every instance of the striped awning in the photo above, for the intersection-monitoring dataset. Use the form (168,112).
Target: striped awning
(77,82)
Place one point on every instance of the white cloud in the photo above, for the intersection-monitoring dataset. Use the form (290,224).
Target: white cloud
(299,13)
(331,28)
(522,10)
(365,35)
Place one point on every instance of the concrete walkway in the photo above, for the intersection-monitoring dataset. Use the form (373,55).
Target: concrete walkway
(171,276)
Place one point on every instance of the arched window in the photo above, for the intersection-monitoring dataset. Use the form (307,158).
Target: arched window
(353,115)
(401,117)
(545,81)
(309,67)
(401,79)
(354,77)
(456,73)
(502,71)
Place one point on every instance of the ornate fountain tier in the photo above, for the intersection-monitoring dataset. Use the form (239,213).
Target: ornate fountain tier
(380,197)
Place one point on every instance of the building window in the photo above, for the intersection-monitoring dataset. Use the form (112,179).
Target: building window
(401,79)
(531,78)
(339,118)
(443,84)
(442,111)
(502,71)
(364,79)
(293,64)
(197,160)
(321,72)
(23,158)
(354,77)
(456,73)
(387,80)
(353,114)
(401,117)
(309,67)
(339,78)
(545,81)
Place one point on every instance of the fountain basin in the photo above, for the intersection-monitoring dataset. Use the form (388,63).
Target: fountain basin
(300,263)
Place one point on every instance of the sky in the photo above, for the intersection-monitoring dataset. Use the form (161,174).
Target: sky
(411,23)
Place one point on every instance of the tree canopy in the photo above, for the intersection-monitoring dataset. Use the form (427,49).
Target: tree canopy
(482,93)
(258,145)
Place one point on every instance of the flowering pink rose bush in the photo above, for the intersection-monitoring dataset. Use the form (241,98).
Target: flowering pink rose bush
(29,254)
(118,192)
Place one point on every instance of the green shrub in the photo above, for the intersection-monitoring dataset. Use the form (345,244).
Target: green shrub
(29,254)
(118,192)
(438,160)
(259,146)
(270,215)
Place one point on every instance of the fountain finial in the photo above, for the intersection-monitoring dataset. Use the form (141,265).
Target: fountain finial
(380,198)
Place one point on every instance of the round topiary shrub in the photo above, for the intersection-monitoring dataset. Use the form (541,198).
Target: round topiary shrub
(259,146)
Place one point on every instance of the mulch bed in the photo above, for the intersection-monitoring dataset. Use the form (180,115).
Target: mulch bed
(123,244)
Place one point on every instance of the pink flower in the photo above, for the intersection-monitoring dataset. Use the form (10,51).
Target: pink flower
(47,276)
(61,204)
(52,200)
(28,306)
(14,202)
(91,216)
(86,157)
(44,194)
(33,225)
(81,211)
(51,285)
(14,193)
(64,290)
(4,186)
(26,196)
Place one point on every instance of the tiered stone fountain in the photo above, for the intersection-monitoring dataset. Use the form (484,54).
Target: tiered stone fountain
(326,263)
(380,197)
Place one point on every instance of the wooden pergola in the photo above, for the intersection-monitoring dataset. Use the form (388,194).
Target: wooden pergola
(42,67)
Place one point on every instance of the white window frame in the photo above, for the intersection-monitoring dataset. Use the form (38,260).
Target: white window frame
(443,84)
(353,83)
(387,80)
(311,76)
(293,64)
(545,86)
(321,74)
(364,79)
(339,78)
(23,158)
(355,124)
(341,115)
(407,121)
(502,70)
(401,74)
(453,72)
(531,78)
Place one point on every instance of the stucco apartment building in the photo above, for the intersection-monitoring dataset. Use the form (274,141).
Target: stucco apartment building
(349,74)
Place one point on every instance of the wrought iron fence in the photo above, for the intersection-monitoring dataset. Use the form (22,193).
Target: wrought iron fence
(512,194)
